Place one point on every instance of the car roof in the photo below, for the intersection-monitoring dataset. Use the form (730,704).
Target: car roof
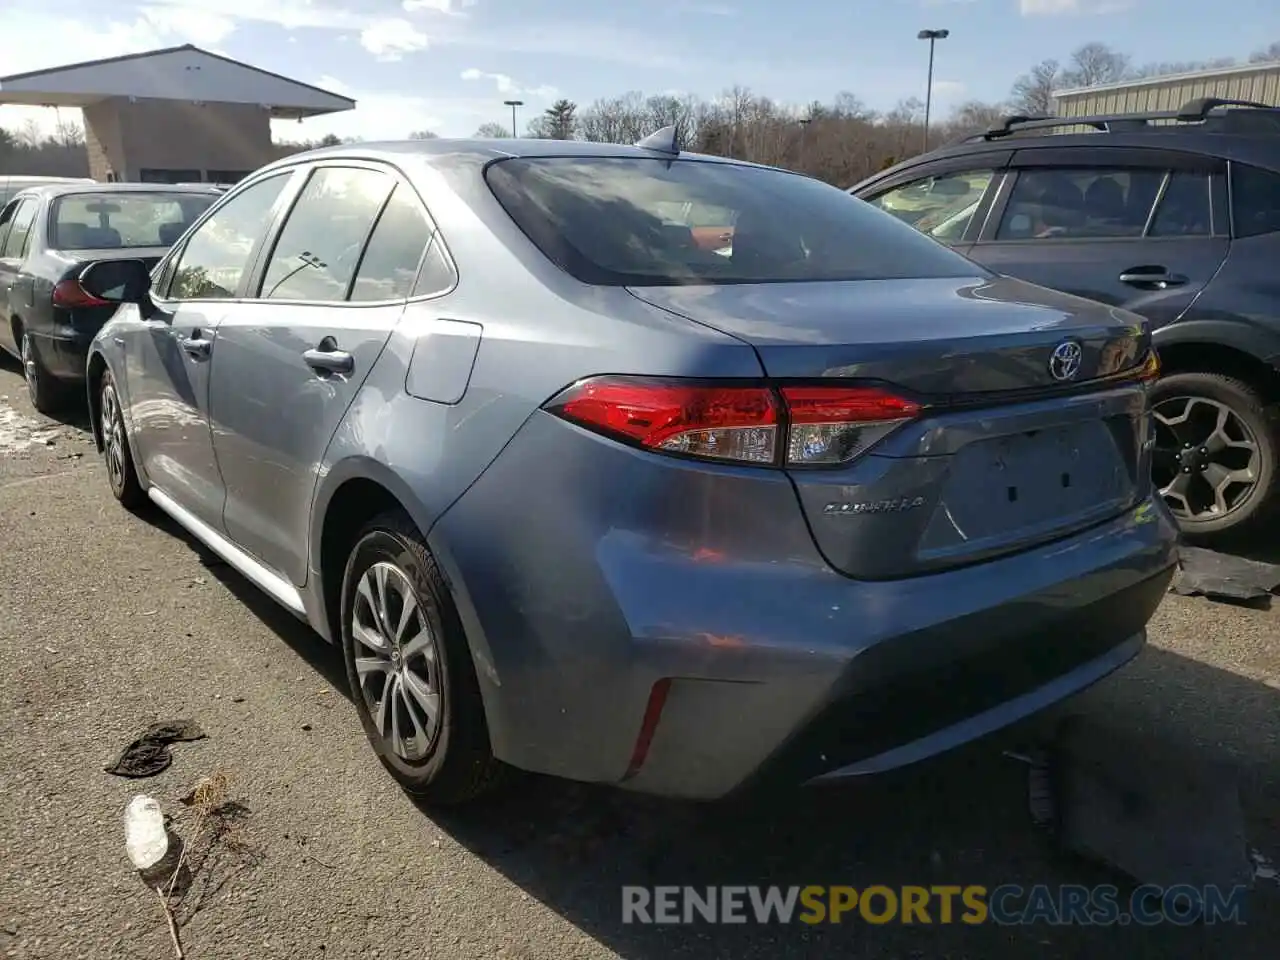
(1259,147)
(441,150)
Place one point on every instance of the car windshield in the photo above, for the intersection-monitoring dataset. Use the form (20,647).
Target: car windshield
(642,222)
(103,221)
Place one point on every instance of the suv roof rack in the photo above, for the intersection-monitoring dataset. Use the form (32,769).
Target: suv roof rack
(1193,111)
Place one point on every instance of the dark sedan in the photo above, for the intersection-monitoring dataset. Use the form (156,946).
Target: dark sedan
(47,236)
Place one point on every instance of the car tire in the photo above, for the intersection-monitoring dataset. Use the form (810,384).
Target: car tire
(117,455)
(424,658)
(47,395)
(1247,427)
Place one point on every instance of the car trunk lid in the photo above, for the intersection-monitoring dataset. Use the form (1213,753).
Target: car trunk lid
(1020,439)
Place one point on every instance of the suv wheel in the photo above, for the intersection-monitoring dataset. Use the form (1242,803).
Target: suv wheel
(46,393)
(410,669)
(1215,453)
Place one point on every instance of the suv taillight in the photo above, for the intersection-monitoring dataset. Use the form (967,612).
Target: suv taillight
(70,295)
(801,425)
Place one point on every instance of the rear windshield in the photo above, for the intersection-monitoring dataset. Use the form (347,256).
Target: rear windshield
(641,222)
(105,221)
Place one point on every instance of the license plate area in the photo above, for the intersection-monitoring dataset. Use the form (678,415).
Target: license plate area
(1024,484)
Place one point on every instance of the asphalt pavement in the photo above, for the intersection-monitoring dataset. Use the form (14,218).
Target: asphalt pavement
(109,622)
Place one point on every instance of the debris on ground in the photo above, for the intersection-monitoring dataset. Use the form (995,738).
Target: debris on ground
(1216,575)
(1160,816)
(150,754)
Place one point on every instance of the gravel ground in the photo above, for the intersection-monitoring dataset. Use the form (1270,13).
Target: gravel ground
(111,622)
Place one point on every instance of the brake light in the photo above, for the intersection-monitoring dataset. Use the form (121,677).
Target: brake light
(69,294)
(717,422)
(797,425)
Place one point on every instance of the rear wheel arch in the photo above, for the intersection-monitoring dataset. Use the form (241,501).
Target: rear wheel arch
(351,505)
(93,387)
(1213,356)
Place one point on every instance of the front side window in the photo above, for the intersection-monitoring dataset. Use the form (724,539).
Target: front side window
(941,206)
(608,221)
(15,243)
(108,221)
(323,238)
(216,255)
(1255,200)
(391,257)
(1080,204)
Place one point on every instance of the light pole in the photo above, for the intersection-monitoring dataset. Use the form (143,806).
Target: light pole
(933,36)
(513,104)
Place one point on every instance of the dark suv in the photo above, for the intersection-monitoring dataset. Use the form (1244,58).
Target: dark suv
(1173,215)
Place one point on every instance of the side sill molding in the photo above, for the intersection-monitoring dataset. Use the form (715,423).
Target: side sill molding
(269,582)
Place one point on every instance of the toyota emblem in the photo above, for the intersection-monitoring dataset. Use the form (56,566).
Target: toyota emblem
(1064,362)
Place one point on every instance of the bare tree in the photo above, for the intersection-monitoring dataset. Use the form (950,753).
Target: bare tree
(1095,64)
(1268,54)
(1032,93)
(424,135)
(492,131)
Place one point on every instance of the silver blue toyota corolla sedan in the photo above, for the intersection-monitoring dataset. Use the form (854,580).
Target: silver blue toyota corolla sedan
(638,467)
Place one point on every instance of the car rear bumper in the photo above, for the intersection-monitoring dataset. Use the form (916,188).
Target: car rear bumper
(675,631)
(64,353)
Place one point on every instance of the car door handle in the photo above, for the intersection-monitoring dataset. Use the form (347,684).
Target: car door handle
(327,358)
(1157,277)
(196,346)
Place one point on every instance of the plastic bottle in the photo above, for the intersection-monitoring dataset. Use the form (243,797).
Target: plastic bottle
(153,849)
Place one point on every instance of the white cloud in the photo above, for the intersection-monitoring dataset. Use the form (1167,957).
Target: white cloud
(381,115)
(508,87)
(391,39)
(1055,8)
(190,22)
(948,89)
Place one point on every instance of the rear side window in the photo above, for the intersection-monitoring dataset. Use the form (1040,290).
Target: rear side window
(628,221)
(15,243)
(1255,200)
(319,248)
(1080,204)
(390,262)
(1184,209)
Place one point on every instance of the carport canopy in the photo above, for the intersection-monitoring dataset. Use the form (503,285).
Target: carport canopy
(186,73)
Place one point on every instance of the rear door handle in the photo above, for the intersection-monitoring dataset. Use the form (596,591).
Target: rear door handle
(196,346)
(327,358)
(1155,277)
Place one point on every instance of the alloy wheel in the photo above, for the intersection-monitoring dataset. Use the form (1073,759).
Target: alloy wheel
(113,437)
(397,661)
(1206,459)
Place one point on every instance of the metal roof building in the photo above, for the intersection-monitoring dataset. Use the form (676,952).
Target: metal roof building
(1259,82)
(173,115)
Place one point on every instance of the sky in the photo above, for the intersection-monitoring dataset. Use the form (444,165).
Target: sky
(447,65)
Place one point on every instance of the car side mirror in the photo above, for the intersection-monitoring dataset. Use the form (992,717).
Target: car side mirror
(117,281)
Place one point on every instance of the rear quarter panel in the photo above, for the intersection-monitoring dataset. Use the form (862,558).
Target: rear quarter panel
(1240,307)
(540,331)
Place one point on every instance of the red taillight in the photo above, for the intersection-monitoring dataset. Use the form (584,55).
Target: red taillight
(70,295)
(740,423)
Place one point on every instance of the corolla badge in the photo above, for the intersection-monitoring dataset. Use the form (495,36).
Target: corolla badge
(1064,362)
